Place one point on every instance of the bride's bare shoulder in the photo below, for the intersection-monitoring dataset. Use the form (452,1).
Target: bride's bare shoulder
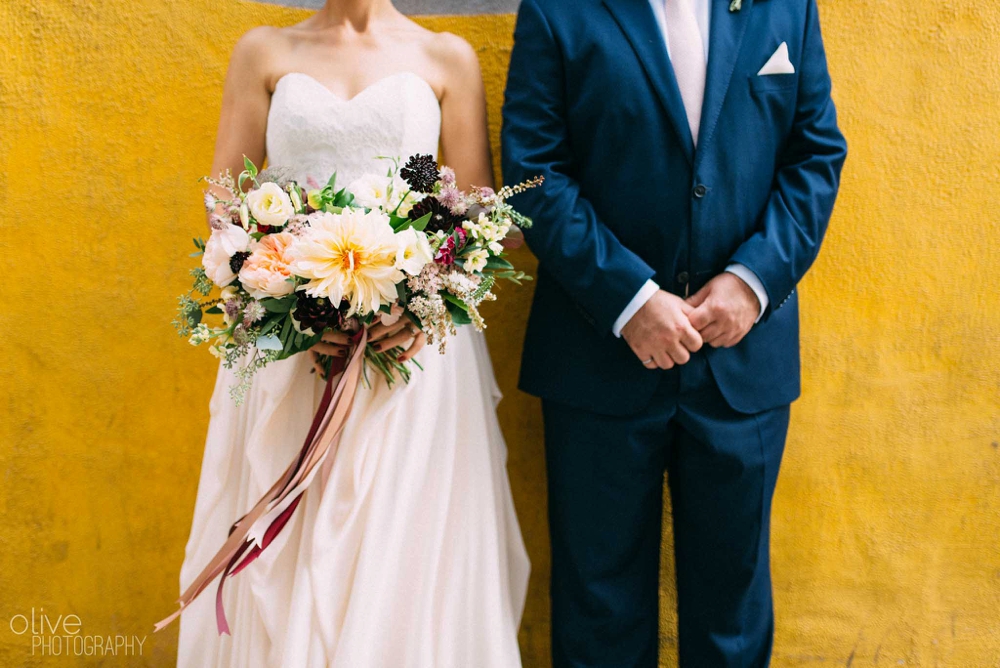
(265,41)
(257,50)
(454,57)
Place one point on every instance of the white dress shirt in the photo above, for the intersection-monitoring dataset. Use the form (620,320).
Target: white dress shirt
(703,14)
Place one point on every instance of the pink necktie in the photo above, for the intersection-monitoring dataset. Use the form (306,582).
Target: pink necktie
(687,54)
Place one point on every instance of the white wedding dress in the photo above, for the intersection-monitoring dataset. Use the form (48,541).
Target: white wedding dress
(411,556)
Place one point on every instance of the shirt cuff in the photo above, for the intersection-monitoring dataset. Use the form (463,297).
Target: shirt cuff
(646,292)
(751,279)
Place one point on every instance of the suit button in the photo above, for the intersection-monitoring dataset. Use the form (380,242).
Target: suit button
(683,277)
(700,191)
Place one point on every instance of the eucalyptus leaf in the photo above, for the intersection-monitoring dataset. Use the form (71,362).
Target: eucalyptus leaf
(269,342)
(498,263)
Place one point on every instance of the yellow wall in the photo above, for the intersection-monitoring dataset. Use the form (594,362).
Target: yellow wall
(887,515)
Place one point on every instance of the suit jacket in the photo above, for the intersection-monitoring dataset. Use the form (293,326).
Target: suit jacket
(593,106)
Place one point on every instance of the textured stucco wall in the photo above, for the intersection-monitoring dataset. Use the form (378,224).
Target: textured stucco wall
(887,514)
(426,7)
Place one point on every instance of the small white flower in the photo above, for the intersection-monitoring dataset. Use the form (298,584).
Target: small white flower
(200,335)
(270,205)
(496,247)
(218,349)
(414,251)
(245,216)
(472,228)
(400,199)
(476,260)
(370,191)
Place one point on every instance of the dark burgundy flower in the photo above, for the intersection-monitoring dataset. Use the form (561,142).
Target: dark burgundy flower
(442,219)
(420,173)
(312,315)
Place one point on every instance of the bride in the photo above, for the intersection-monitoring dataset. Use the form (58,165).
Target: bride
(411,555)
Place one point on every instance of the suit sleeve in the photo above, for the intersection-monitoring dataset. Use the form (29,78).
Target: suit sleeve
(795,219)
(571,243)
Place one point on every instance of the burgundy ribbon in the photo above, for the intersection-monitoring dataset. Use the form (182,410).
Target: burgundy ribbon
(320,444)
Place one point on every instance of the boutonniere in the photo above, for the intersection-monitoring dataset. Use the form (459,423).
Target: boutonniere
(736,5)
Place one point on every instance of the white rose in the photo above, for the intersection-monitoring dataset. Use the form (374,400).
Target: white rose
(476,260)
(413,252)
(270,205)
(221,246)
(370,191)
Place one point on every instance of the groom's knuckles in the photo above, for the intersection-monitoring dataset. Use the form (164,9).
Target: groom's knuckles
(701,316)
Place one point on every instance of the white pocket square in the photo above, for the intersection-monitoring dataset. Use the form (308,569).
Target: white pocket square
(778,63)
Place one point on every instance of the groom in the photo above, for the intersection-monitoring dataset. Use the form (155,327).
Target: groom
(691,158)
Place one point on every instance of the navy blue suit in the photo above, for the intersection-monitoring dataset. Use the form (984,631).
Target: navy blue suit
(593,106)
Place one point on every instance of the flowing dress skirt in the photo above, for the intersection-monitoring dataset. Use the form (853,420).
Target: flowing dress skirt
(409,557)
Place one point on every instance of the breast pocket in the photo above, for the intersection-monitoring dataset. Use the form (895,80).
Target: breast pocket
(773,82)
(774,96)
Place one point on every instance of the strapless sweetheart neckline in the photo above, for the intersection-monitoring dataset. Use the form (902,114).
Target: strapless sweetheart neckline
(374,85)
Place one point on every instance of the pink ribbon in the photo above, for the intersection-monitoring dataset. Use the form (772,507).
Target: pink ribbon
(320,443)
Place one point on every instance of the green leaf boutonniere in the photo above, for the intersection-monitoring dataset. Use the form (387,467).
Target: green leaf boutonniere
(736,5)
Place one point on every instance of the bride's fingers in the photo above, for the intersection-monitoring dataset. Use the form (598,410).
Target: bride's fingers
(339,338)
(397,339)
(381,331)
(317,366)
(330,349)
(419,341)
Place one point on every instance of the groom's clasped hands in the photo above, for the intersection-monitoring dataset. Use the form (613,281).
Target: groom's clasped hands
(667,329)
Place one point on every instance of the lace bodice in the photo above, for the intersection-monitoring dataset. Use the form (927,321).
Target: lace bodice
(314,132)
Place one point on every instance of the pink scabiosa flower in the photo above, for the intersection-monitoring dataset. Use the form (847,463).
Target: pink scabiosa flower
(486,195)
(253,312)
(450,197)
(447,176)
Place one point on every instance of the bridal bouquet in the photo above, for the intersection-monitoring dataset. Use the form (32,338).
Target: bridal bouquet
(293,263)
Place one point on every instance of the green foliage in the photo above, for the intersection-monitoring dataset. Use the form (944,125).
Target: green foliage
(419,224)
(457,310)
(272,305)
(202,283)
(498,263)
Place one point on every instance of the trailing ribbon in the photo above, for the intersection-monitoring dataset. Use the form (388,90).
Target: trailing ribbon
(253,532)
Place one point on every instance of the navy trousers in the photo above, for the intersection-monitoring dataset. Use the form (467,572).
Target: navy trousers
(605,508)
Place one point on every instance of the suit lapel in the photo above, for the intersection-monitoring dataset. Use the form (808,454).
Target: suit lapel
(727,30)
(637,21)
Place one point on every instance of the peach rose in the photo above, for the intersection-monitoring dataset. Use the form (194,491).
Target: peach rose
(266,272)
